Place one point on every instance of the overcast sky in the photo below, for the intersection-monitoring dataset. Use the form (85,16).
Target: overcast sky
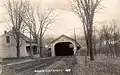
(67,20)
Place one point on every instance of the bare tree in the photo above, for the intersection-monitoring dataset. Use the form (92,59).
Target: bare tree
(100,39)
(95,41)
(110,34)
(85,10)
(115,36)
(48,39)
(38,22)
(17,9)
(106,33)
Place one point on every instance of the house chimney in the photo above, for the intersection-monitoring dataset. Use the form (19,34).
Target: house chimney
(5,32)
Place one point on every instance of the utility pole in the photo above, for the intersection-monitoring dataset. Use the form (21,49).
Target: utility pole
(75,35)
(85,57)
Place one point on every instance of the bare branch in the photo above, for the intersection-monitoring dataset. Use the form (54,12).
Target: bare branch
(85,10)
(17,9)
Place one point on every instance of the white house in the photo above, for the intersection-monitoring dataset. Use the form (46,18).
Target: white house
(63,46)
(8,45)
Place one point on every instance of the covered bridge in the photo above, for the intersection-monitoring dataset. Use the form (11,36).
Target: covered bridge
(63,46)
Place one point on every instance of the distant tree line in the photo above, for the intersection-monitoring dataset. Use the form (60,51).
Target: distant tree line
(105,39)
(109,37)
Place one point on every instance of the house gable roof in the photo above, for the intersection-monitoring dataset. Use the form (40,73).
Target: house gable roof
(24,37)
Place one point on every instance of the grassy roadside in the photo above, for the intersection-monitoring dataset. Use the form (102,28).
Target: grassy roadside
(97,67)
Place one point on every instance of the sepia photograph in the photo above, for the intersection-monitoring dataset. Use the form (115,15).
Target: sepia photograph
(59,37)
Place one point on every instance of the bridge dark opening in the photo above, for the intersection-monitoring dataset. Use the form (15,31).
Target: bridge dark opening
(64,49)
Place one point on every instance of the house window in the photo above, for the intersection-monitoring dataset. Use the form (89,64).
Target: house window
(8,39)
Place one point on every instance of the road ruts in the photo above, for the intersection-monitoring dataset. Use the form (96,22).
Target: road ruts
(61,67)
(31,70)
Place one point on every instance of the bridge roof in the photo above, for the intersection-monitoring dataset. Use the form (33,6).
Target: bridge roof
(68,38)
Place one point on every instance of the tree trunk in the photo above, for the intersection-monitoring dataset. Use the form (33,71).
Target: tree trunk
(31,50)
(91,50)
(40,45)
(38,48)
(90,43)
(88,49)
(86,38)
(100,46)
(18,50)
(115,48)
(18,44)
(95,53)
